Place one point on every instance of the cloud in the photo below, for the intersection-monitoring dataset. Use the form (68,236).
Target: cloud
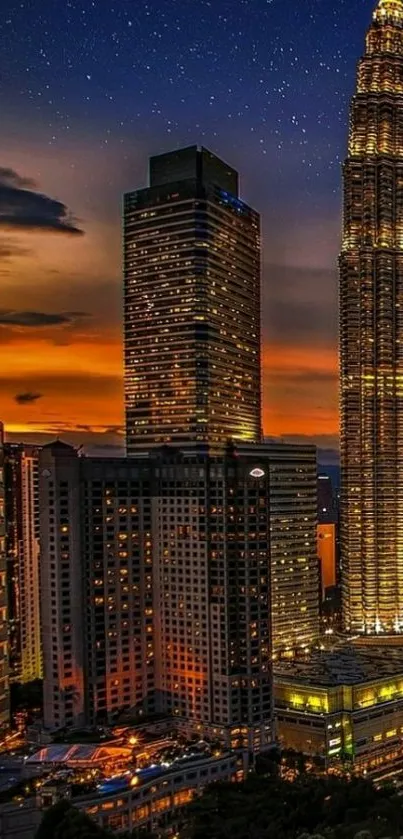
(22,208)
(58,384)
(27,398)
(11,178)
(9,249)
(34,319)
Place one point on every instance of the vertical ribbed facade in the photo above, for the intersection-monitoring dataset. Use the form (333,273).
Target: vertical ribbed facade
(293,548)
(371,331)
(4,666)
(192,306)
(22,548)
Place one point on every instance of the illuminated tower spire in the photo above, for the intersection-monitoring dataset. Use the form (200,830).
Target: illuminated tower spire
(371,336)
(389,10)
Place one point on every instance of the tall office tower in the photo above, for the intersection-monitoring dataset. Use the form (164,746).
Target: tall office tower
(22,550)
(192,306)
(371,318)
(96,586)
(293,548)
(4,679)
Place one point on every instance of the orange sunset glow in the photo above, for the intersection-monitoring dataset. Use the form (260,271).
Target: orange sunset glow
(61,315)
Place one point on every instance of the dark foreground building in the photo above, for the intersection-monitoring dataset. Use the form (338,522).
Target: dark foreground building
(156,588)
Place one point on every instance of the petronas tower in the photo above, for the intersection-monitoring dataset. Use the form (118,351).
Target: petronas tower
(371,337)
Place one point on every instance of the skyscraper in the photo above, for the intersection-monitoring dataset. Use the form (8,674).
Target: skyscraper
(192,306)
(155,589)
(22,551)
(4,681)
(156,583)
(293,549)
(371,316)
(96,586)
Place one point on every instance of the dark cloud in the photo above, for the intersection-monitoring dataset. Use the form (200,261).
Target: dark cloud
(34,319)
(56,385)
(9,249)
(22,208)
(27,398)
(11,178)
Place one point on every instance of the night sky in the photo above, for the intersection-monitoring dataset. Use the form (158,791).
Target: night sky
(88,90)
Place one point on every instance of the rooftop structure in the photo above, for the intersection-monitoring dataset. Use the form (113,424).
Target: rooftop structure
(344,665)
(343,707)
(78,755)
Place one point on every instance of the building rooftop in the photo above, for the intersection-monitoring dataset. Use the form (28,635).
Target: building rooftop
(347,664)
(58,446)
(78,755)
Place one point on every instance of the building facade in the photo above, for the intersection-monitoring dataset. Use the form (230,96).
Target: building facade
(327,556)
(212,593)
(156,590)
(154,805)
(293,548)
(97,607)
(192,306)
(146,604)
(23,572)
(4,666)
(371,340)
(343,706)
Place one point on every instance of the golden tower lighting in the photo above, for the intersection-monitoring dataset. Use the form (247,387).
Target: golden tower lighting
(371,336)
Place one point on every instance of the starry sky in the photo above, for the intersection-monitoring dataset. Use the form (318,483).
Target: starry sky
(88,90)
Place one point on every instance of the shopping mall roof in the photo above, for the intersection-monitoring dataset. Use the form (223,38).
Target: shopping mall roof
(344,664)
(77,755)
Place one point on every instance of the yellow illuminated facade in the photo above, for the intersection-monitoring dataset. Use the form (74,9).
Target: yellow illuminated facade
(192,306)
(349,711)
(22,548)
(371,318)
(293,548)
(4,681)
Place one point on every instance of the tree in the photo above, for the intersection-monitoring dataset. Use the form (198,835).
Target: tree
(52,819)
(77,825)
(63,821)
(269,808)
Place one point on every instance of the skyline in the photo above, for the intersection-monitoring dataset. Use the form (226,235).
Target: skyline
(62,347)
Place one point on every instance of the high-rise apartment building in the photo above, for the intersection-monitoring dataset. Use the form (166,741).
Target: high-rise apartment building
(156,583)
(96,586)
(371,318)
(192,306)
(22,551)
(4,667)
(212,592)
(155,590)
